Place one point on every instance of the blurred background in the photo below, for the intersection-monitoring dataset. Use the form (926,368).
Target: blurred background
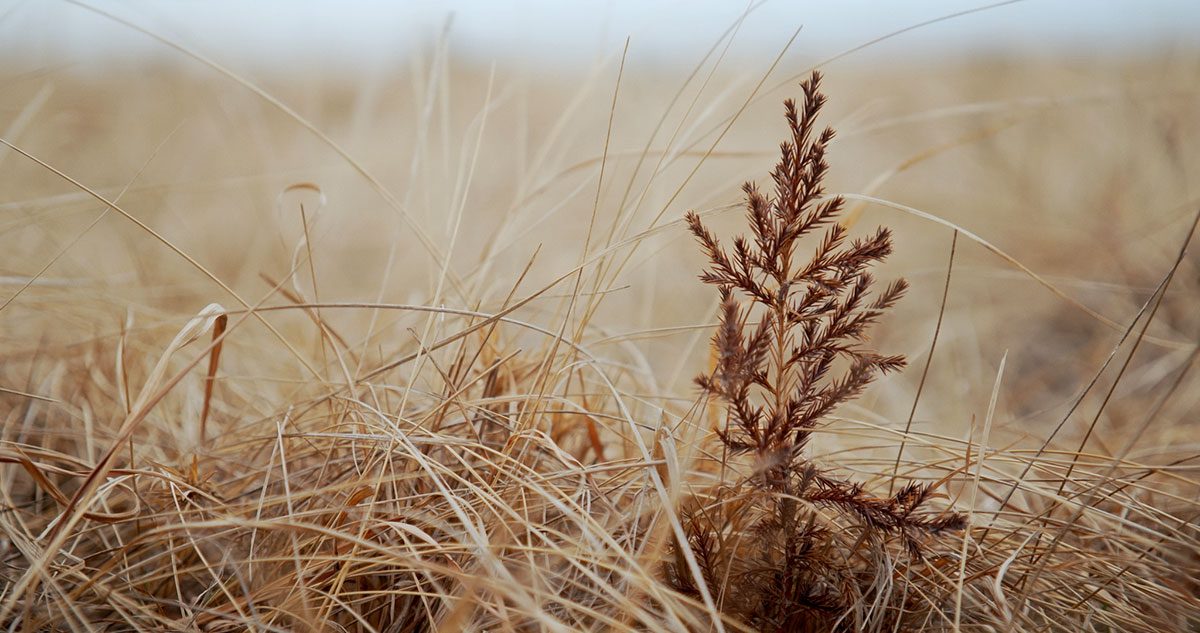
(361,35)
(432,150)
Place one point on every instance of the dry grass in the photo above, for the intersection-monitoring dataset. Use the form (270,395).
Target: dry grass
(441,381)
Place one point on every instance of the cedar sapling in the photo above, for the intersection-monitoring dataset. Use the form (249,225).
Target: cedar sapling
(790,347)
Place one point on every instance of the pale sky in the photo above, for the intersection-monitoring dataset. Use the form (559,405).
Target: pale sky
(368,32)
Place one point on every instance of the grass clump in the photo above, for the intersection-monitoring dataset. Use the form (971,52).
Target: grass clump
(480,460)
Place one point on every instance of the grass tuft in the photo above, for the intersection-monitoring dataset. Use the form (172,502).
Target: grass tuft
(512,445)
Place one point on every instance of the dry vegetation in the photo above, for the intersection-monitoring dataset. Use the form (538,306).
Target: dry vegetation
(412,352)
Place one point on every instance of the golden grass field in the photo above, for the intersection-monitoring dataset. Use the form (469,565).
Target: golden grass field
(414,351)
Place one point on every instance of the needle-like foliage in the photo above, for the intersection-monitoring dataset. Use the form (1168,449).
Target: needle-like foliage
(791,346)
